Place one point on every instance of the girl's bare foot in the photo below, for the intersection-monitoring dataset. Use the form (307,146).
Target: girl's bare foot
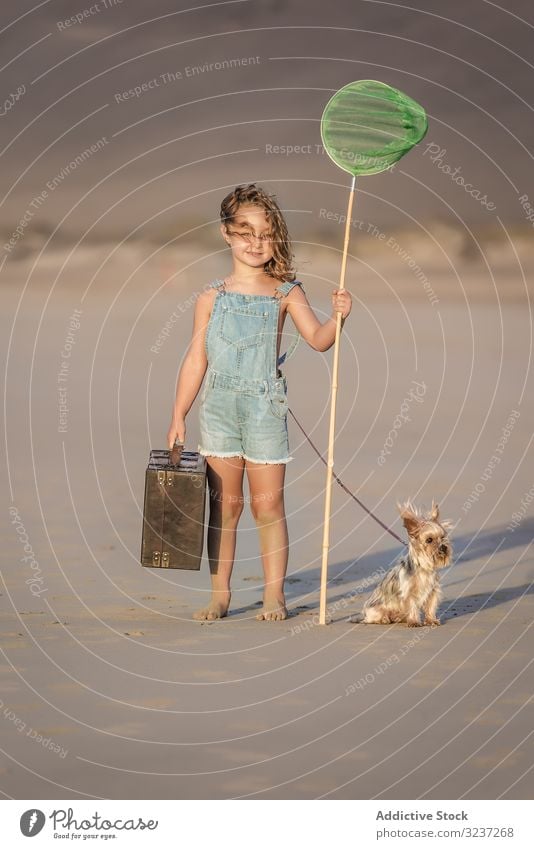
(274,609)
(216,609)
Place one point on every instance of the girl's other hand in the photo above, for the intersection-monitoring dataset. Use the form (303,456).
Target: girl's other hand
(341,302)
(176,432)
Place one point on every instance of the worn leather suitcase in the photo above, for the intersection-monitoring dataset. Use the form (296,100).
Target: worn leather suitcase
(174,509)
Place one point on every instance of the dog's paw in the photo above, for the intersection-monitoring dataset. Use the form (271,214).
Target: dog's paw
(414,624)
(357,617)
(432,622)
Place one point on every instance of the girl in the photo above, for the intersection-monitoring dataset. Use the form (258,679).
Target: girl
(243,411)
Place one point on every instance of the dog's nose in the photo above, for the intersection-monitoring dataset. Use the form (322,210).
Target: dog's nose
(443,549)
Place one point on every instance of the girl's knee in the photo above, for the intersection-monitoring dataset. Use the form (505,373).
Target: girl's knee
(226,512)
(267,509)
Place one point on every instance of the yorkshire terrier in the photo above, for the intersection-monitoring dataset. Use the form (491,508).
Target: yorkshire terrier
(413,584)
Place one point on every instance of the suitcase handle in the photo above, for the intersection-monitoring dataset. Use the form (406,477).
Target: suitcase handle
(175,454)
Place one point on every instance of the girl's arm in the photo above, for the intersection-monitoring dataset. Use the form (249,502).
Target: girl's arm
(321,337)
(192,371)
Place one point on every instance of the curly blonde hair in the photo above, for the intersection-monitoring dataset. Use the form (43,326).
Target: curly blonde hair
(280,266)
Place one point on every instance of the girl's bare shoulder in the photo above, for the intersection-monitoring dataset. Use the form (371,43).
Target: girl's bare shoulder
(296,294)
(206,299)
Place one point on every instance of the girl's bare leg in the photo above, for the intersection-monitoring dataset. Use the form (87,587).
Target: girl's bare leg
(225,483)
(266,482)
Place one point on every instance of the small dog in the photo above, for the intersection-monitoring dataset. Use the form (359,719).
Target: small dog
(413,583)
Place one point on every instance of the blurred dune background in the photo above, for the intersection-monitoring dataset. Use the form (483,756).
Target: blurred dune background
(132,126)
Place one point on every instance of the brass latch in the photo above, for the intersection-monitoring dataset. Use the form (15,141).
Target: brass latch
(166,478)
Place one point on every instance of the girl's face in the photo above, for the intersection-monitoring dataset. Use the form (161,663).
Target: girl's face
(249,236)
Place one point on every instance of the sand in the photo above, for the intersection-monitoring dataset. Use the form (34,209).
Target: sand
(110,690)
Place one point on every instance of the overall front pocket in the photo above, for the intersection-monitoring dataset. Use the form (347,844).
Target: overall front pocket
(278,399)
(241,328)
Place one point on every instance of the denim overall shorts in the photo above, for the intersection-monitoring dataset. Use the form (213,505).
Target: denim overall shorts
(243,405)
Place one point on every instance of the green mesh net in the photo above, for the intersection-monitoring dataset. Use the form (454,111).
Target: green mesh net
(367,126)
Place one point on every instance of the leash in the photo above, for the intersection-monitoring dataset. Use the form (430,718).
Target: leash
(346,489)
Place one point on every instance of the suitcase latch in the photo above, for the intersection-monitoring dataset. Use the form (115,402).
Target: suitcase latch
(170,479)
(155,558)
(165,559)
(161,477)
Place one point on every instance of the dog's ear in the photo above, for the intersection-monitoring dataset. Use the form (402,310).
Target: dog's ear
(434,513)
(410,519)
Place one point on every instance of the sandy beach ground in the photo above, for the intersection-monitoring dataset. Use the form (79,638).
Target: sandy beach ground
(108,689)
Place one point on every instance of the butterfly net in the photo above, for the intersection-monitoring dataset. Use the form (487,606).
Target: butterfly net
(367,126)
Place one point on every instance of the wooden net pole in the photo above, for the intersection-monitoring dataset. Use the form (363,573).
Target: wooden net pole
(330,461)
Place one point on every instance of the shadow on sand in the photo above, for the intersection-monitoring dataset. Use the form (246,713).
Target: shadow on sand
(350,581)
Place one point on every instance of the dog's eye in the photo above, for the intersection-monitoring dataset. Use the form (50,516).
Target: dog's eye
(428,540)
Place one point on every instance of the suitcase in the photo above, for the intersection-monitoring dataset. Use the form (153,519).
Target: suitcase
(174,509)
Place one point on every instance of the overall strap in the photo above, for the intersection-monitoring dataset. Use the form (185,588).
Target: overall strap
(284,288)
(216,284)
